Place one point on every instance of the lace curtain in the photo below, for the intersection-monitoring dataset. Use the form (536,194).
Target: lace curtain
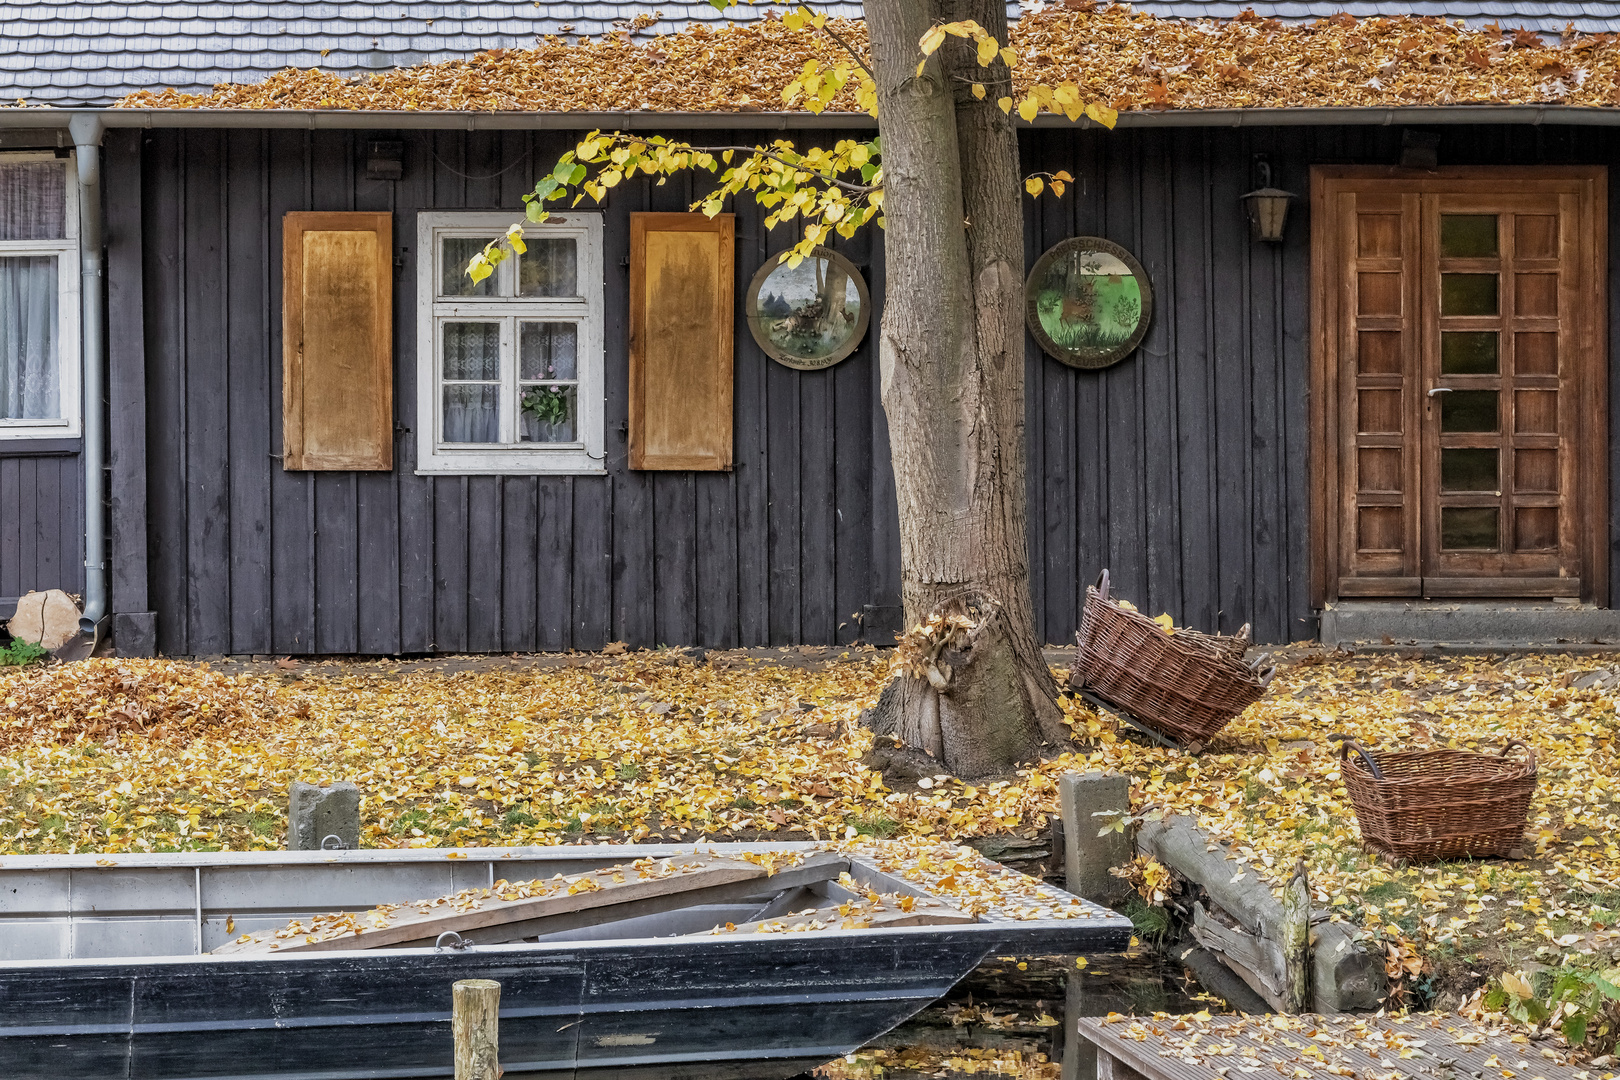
(33,206)
(30,381)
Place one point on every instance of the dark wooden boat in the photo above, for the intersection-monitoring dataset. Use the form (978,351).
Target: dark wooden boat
(107,968)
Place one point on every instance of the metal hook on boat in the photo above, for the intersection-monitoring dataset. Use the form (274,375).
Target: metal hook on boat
(333,842)
(458,944)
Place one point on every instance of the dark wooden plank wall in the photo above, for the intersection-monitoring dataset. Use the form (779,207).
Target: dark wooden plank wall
(247,558)
(41,520)
(1182,469)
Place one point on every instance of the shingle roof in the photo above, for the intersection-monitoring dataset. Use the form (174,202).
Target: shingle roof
(93,53)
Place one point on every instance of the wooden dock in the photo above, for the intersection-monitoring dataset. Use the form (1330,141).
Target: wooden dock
(1308,1047)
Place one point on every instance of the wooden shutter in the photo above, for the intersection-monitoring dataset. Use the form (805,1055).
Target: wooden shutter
(338,342)
(681,302)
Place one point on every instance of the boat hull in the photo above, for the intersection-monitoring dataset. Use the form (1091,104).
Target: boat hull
(757,1008)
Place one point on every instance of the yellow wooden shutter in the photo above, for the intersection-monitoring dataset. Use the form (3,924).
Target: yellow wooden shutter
(338,342)
(681,297)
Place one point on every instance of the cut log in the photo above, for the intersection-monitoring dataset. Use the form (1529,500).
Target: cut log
(1256,960)
(476,909)
(48,619)
(1294,934)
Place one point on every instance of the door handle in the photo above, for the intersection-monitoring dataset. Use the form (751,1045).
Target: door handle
(1440,390)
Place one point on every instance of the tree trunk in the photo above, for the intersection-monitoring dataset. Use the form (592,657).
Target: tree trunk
(951,350)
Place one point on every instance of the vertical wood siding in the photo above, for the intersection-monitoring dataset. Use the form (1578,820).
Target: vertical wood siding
(41,530)
(1182,468)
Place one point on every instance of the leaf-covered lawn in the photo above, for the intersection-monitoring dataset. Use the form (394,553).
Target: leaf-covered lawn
(122,755)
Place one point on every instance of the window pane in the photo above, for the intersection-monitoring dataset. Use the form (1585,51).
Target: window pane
(1468,236)
(472,350)
(548,351)
(1468,410)
(1471,469)
(472,413)
(1468,352)
(30,377)
(1468,528)
(1468,294)
(550,267)
(455,282)
(548,414)
(33,200)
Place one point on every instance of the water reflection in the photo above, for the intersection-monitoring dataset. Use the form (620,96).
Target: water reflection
(1019,1021)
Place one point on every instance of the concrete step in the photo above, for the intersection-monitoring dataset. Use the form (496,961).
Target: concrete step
(1474,623)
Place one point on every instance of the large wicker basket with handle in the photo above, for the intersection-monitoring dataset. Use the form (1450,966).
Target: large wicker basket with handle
(1184,684)
(1420,805)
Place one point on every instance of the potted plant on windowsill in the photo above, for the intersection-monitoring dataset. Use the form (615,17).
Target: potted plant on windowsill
(548,414)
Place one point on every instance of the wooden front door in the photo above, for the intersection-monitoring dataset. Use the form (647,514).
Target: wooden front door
(1459,418)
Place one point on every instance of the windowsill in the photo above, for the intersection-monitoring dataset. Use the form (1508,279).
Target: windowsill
(565,461)
(14,445)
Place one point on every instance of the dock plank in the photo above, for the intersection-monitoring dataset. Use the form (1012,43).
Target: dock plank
(1309,1046)
(521,902)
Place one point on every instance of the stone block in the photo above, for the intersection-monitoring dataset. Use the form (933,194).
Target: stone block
(134,633)
(315,812)
(1088,857)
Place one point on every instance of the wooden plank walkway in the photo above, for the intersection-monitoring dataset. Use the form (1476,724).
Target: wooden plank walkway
(1354,1047)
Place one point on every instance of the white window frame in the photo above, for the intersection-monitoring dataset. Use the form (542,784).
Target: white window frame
(69,349)
(434,456)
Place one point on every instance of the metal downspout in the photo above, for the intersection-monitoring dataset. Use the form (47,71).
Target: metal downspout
(86,130)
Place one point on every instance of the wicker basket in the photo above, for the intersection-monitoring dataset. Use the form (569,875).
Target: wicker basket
(1185,684)
(1420,805)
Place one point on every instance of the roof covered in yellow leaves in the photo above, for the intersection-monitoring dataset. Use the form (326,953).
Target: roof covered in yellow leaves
(1135,61)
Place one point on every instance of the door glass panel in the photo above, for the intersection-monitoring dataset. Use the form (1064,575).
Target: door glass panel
(1468,352)
(1468,236)
(1471,469)
(454,255)
(1468,294)
(550,267)
(472,350)
(1468,410)
(1468,528)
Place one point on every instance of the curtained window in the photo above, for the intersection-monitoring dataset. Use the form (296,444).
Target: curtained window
(510,373)
(39,382)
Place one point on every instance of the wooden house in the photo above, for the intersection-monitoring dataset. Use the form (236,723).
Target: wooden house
(240,337)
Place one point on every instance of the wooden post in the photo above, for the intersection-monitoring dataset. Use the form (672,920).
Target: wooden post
(475,1020)
(1295,932)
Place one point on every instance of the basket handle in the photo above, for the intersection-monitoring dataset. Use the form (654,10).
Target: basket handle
(1347,744)
(1102,585)
(1530,754)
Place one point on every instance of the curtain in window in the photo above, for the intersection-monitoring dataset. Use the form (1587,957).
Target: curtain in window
(33,200)
(30,377)
(472,351)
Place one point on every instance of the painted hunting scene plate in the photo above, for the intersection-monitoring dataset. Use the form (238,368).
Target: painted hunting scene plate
(1088,302)
(812,315)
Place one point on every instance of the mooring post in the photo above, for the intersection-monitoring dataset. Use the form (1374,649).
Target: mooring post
(315,813)
(1090,803)
(475,1020)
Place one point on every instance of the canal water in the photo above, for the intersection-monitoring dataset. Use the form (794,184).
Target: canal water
(1016,1018)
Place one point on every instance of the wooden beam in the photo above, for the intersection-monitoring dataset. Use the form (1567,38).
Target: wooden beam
(861,917)
(477,909)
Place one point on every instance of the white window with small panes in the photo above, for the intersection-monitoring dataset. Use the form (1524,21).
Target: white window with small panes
(509,369)
(39,297)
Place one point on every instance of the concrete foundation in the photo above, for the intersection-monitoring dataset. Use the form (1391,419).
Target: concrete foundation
(1475,624)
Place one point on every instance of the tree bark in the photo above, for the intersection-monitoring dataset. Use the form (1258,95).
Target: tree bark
(951,349)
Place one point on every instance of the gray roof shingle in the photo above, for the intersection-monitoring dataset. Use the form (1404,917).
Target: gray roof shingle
(94,52)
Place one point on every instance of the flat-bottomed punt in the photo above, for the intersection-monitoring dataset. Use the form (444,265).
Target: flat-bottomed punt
(723,960)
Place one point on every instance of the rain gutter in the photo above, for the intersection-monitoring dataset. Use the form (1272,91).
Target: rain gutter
(400,120)
(86,129)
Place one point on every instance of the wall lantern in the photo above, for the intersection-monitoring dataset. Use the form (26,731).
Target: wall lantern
(1267,205)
